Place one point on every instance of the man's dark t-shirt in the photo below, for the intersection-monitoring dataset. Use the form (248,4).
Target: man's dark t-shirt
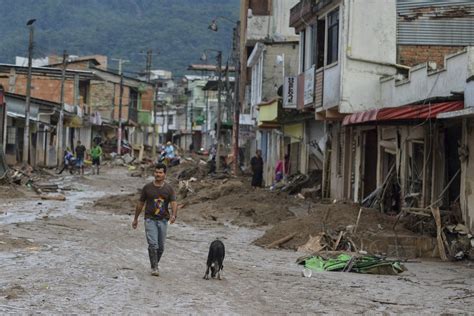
(80,150)
(157,200)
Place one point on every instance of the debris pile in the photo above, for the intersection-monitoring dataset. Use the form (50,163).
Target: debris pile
(309,185)
(330,241)
(352,263)
(19,177)
(454,240)
(458,242)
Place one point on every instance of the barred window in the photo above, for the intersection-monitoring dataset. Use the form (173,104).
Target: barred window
(11,135)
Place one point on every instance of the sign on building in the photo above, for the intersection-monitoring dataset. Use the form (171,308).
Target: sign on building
(290,88)
(309,86)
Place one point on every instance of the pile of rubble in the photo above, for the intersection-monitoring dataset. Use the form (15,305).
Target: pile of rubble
(36,179)
(305,185)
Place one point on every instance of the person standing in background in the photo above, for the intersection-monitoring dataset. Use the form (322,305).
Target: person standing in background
(80,153)
(256,163)
(96,154)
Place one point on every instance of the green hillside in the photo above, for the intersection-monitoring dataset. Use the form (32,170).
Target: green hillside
(118,29)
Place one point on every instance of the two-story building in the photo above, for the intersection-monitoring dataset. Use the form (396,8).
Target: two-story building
(388,141)
(270,53)
(46,91)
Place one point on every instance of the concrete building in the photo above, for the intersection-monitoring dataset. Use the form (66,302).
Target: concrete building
(46,88)
(91,95)
(393,125)
(269,51)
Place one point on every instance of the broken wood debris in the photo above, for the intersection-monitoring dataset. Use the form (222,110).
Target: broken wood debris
(280,241)
(57,197)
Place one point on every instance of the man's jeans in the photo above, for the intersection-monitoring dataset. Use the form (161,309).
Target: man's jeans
(155,235)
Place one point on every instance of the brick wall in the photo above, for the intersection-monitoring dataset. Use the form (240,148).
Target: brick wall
(147,99)
(101,97)
(411,55)
(42,87)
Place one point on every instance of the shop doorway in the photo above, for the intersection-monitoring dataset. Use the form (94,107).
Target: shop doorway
(370,162)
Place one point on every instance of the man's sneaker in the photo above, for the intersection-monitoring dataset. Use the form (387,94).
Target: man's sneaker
(155,272)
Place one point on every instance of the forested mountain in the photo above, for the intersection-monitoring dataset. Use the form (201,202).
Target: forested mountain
(178,29)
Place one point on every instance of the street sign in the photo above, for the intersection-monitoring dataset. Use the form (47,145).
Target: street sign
(290,88)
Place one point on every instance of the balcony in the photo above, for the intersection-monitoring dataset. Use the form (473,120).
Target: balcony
(144,118)
(300,13)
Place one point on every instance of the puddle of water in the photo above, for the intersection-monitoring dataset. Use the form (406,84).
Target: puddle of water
(27,210)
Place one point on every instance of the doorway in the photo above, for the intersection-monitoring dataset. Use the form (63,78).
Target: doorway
(452,140)
(370,162)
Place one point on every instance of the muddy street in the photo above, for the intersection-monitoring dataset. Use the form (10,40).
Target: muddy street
(72,257)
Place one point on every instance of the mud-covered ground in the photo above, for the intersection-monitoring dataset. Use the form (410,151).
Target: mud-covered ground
(77,257)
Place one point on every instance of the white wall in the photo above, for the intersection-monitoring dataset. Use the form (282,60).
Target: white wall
(421,84)
(275,27)
(371,29)
(332,85)
(367,48)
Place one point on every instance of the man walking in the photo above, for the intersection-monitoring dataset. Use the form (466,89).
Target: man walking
(96,154)
(80,152)
(256,163)
(156,197)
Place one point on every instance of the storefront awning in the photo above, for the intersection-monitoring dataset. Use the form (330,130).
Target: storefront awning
(406,112)
(294,131)
(268,113)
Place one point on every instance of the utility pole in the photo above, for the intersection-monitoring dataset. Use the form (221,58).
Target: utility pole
(149,54)
(119,132)
(59,126)
(155,110)
(219,92)
(185,123)
(119,138)
(26,134)
(237,54)
(167,118)
(235,125)
(120,63)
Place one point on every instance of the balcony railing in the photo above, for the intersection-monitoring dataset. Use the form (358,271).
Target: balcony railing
(300,12)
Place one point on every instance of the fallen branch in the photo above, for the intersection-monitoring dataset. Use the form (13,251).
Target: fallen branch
(53,197)
(280,241)
(389,303)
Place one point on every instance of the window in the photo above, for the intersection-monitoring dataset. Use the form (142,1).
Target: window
(319,43)
(260,7)
(170,119)
(302,50)
(257,78)
(333,36)
(11,135)
(307,47)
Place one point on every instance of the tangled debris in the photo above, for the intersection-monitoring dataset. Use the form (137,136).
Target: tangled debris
(353,263)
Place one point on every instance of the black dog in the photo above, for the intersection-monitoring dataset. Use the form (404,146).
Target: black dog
(215,259)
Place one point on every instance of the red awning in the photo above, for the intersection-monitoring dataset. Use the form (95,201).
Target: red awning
(406,112)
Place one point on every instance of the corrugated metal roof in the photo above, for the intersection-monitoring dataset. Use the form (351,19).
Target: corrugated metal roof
(435,22)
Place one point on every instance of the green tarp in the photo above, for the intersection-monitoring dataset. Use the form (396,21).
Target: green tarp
(347,263)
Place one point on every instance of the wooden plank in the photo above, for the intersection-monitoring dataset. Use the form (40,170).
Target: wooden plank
(439,238)
(357,222)
(53,197)
(338,240)
(280,241)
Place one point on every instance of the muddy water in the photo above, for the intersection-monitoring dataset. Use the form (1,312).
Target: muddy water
(32,208)
(88,262)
